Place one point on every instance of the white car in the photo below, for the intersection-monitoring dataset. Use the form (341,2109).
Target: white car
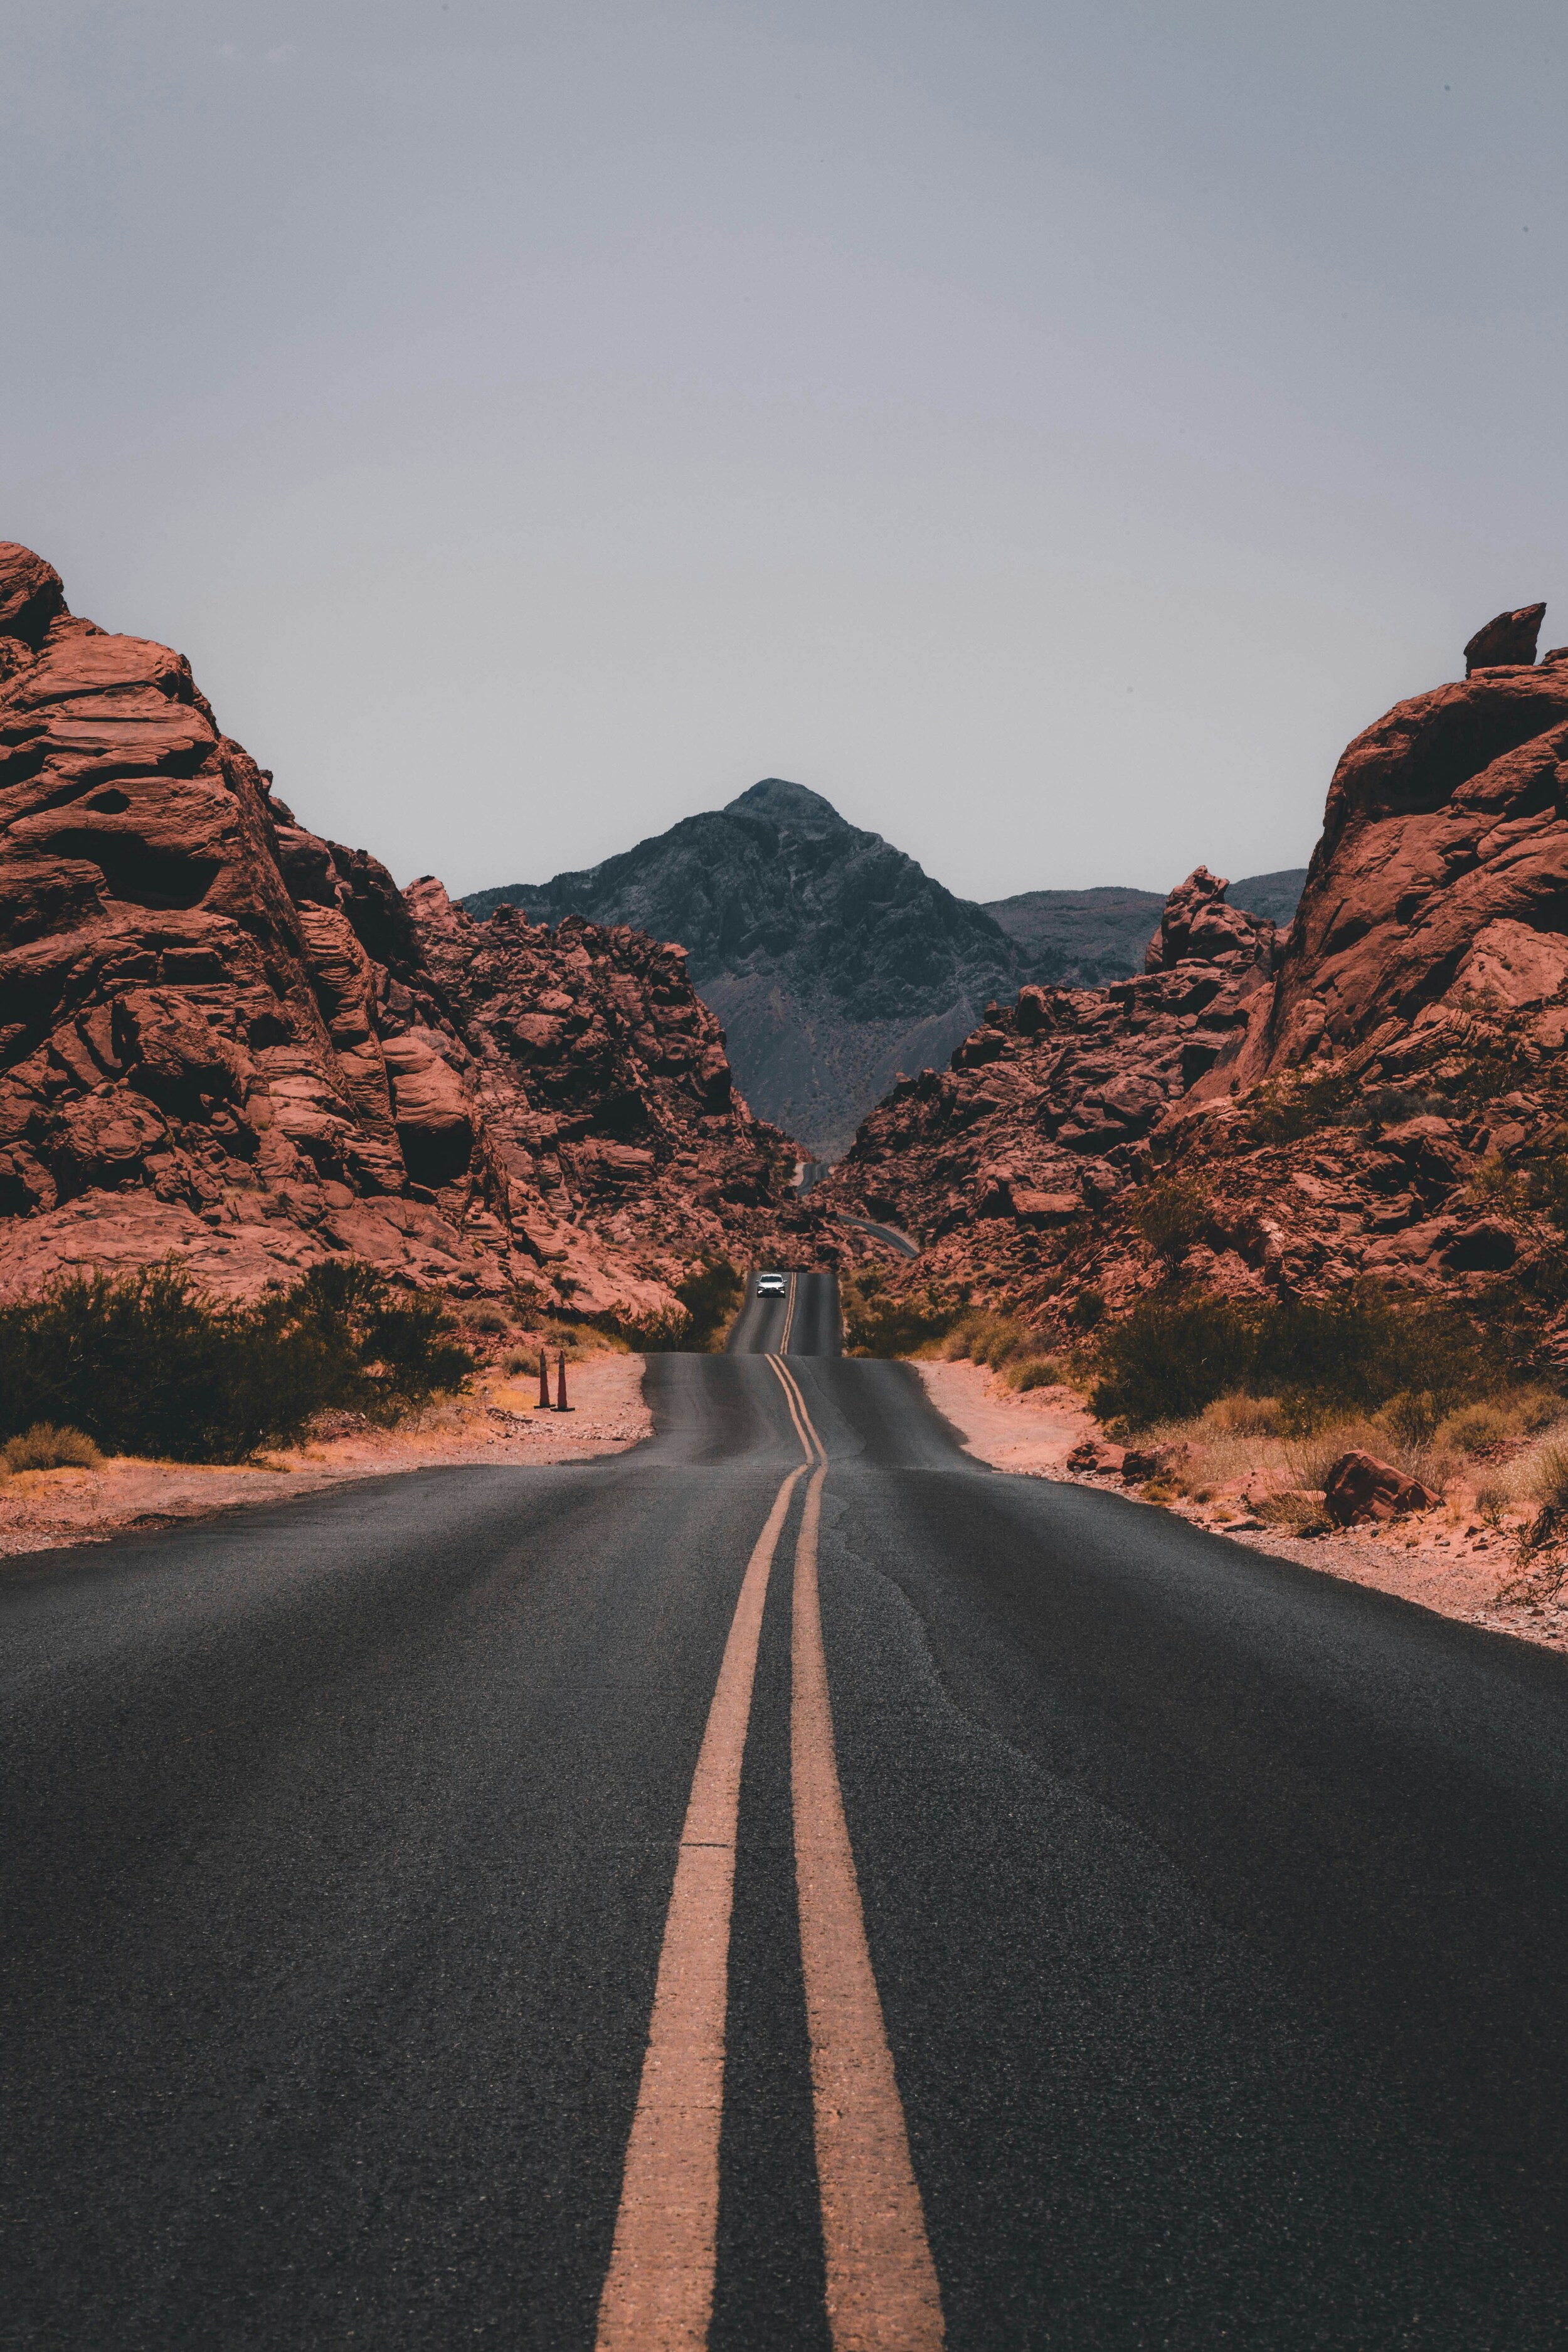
(771,1285)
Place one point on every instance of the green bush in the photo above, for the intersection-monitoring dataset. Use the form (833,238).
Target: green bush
(1284,1110)
(711,1297)
(987,1337)
(1167,1361)
(1172,1217)
(1171,1359)
(45,1447)
(147,1363)
(880,1320)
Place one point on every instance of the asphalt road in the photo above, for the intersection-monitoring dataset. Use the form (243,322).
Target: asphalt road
(1214,1913)
(804,1322)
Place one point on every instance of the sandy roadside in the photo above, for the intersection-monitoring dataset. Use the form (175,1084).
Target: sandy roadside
(42,1510)
(1439,1558)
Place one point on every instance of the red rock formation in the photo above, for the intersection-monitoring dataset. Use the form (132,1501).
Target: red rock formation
(1393,1104)
(1442,872)
(1046,1113)
(224,1036)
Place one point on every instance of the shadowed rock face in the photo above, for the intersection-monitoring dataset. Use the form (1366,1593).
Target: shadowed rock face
(1510,638)
(831,957)
(1383,1094)
(223,1035)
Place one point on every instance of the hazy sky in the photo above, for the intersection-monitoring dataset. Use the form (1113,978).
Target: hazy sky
(1049,431)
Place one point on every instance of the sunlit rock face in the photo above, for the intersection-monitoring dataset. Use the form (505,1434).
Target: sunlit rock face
(1378,1092)
(224,1036)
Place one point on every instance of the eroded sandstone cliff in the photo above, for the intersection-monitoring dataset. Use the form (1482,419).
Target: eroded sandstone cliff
(224,1036)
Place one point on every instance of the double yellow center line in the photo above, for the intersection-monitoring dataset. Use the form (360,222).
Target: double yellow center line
(789,1325)
(883,2294)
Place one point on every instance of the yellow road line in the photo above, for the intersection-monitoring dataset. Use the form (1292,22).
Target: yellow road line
(882,2291)
(789,1317)
(659,2293)
(808,1445)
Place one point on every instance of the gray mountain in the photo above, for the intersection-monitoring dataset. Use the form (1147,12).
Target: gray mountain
(1100,935)
(834,960)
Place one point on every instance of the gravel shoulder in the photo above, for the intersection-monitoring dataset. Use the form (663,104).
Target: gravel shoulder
(1429,1557)
(499,1424)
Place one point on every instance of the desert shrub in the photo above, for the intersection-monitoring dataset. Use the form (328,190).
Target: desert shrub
(1322,1359)
(712,1298)
(45,1447)
(1540,1557)
(1301,1513)
(486,1317)
(1412,1416)
(1475,1427)
(1497,1190)
(1542,1475)
(148,1363)
(1493,1498)
(1491,1422)
(1170,1218)
(881,1320)
(1241,1415)
(989,1339)
(1284,1110)
(1312,1458)
(1089,1309)
(1547,1187)
(1034,1373)
(1167,1361)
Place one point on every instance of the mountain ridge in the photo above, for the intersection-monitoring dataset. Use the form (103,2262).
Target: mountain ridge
(833,959)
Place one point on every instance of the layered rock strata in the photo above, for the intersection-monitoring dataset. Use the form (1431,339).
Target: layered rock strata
(224,1036)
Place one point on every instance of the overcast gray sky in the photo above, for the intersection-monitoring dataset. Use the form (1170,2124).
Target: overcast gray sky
(1048,431)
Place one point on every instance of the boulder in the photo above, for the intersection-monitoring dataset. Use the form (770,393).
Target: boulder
(1360,1489)
(1095,1456)
(1506,642)
(1033,1208)
(1198,927)
(1140,1461)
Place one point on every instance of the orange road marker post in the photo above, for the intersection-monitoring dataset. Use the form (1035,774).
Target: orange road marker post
(543,1381)
(560,1403)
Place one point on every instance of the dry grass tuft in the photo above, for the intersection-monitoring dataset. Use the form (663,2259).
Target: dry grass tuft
(45,1447)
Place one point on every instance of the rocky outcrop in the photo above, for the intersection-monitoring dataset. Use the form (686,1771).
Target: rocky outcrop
(1196,926)
(1444,820)
(1381,1095)
(225,1036)
(1507,641)
(1045,1115)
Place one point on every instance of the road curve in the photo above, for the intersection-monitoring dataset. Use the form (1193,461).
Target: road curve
(1210,1914)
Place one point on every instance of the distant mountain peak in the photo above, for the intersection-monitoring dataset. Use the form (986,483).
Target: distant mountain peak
(785,803)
